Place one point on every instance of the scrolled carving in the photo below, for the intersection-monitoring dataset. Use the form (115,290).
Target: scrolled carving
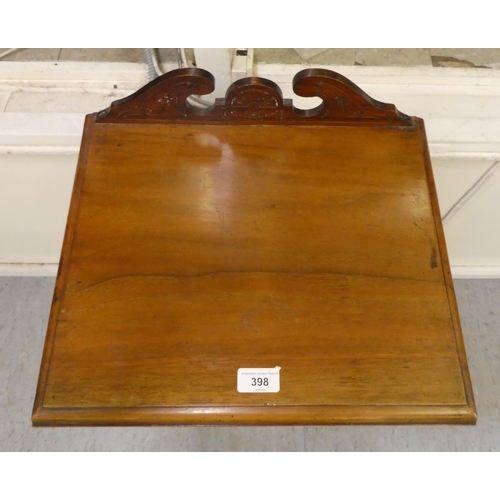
(254,100)
(343,101)
(163,98)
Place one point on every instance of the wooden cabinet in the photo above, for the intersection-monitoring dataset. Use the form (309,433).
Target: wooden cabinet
(253,235)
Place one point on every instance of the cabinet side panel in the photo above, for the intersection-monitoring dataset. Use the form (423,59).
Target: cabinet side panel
(63,266)
(445,265)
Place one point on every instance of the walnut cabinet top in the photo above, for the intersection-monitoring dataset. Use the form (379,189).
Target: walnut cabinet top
(253,235)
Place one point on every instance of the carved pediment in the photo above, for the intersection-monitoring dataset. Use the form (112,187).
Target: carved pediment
(253,99)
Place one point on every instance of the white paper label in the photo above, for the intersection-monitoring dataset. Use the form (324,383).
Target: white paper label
(259,379)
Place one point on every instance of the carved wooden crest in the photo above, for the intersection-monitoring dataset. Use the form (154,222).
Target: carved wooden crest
(253,99)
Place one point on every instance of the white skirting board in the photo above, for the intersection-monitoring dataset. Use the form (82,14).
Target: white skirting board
(28,270)
(43,105)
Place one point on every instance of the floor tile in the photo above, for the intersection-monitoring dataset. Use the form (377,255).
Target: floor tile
(340,57)
(309,53)
(170,55)
(466,58)
(32,55)
(103,55)
(348,57)
(392,57)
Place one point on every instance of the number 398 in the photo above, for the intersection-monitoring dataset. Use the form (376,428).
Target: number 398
(260,382)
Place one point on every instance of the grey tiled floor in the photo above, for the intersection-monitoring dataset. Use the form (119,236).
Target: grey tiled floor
(460,57)
(24,307)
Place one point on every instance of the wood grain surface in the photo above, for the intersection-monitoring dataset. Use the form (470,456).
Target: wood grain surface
(193,250)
